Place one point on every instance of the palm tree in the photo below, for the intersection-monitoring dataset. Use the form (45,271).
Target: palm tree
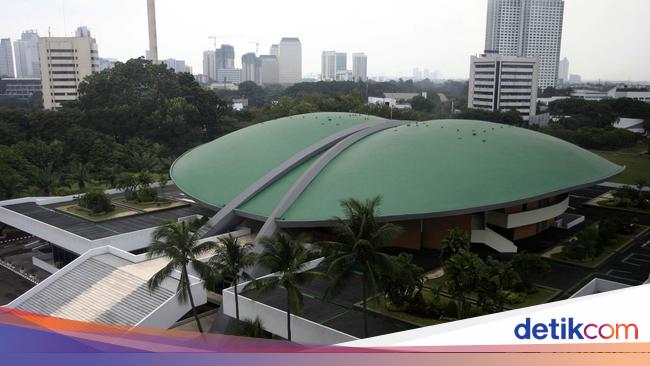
(80,173)
(357,250)
(286,259)
(230,262)
(176,242)
(47,178)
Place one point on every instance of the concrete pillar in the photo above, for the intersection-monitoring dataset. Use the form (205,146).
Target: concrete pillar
(153,43)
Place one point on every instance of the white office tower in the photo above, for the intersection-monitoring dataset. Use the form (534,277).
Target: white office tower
(359,67)
(250,68)
(341,61)
(6,59)
(153,39)
(269,72)
(563,71)
(499,82)
(26,50)
(210,64)
(527,28)
(65,61)
(290,61)
(328,66)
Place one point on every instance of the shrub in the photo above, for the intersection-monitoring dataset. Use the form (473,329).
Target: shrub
(407,280)
(526,265)
(454,242)
(147,194)
(514,297)
(96,201)
(585,246)
(450,310)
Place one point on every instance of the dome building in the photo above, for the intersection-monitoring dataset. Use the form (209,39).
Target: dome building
(499,183)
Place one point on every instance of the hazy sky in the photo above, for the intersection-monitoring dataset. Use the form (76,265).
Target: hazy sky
(603,39)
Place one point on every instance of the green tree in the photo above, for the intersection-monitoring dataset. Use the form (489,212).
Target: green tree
(96,201)
(456,241)
(463,274)
(527,265)
(81,173)
(229,263)
(405,283)
(47,179)
(357,250)
(177,243)
(252,328)
(286,259)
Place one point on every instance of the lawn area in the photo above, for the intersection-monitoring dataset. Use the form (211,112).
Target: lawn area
(640,148)
(636,167)
(149,206)
(87,215)
(542,296)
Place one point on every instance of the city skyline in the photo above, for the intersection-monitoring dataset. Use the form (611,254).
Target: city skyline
(183,33)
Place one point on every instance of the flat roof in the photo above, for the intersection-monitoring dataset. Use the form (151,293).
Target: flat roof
(97,230)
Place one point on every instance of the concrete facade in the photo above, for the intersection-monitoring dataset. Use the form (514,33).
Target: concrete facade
(527,28)
(290,61)
(500,82)
(65,62)
(6,59)
(26,53)
(359,67)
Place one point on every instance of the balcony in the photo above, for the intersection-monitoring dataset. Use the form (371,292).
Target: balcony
(509,221)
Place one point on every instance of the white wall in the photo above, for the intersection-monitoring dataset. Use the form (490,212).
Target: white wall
(275,320)
(518,219)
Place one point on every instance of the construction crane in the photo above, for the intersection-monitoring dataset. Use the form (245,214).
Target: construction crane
(214,38)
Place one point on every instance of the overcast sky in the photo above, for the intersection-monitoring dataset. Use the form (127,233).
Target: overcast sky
(603,39)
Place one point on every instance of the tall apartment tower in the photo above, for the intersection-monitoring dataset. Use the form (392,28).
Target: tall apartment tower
(527,28)
(210,64)
(359,67)
(250,68)
(6,59)
(26,50)
(499,82)
(328,66)
(269,72)
(341,61)
(290,60)
(153,39)
(65,61)
(563,71)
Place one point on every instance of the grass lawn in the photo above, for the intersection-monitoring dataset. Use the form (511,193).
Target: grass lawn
(636,167)
(621,242)
(149,206)
(542,296)
(640,148)
(87,215)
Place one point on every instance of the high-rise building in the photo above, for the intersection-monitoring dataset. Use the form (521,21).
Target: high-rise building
(106,63)
(82,31)
(341,61)
(6,59)
(563,71)
(499,82)
(328,66)
(153,39)
(274,50)
(177,65)
(359,67)
(290,60)
(26,50)
(65,61)
(210,64)
(269,72)
(250,68)
(527,28)
(229,76)
(224,57)
(575,79)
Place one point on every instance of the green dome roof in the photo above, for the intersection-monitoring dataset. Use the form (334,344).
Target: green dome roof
(420,169)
